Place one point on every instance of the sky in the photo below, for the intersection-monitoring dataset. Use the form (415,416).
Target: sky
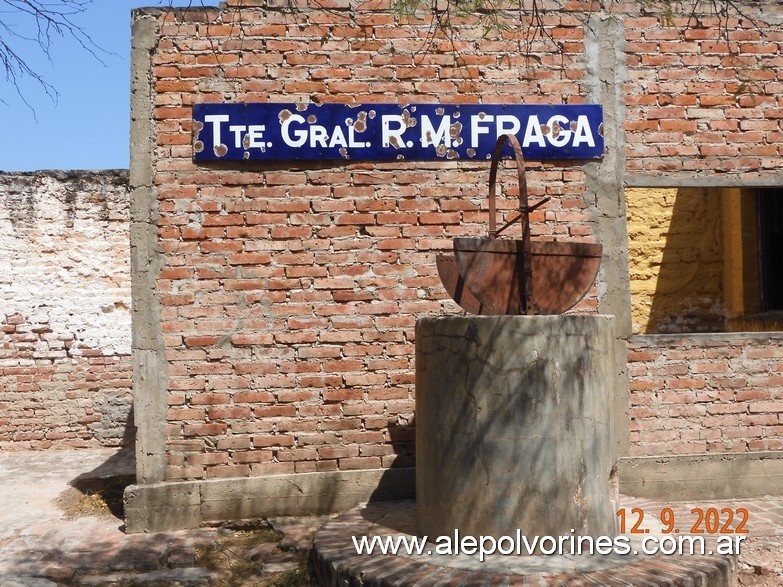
(88,125)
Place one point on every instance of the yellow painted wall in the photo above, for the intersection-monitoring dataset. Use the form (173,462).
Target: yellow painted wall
(676,259)
(741,266)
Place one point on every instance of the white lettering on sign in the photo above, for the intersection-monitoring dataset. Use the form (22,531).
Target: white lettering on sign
(338,138)
(508,125)
(390,136)
(256,133)
(301,135)
(557,131)
(533,133)
(316,135)
(430,136)
(550,131)
(583,134)
(477,129)
(352,142)
(215,120)
(237,130)
(559,137)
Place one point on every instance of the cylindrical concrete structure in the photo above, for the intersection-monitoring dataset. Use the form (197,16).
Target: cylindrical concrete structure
(513,425)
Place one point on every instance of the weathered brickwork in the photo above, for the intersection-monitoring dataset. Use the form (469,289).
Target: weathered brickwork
(288,292)
(64,310)
(699,105)
(706,393)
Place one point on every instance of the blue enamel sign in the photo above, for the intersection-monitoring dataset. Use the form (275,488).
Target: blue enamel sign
(383,132)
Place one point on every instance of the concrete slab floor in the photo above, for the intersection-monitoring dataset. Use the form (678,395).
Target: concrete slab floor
(39,546)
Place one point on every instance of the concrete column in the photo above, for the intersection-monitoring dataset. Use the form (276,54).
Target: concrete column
(150,369)
(513,425)
(605,64)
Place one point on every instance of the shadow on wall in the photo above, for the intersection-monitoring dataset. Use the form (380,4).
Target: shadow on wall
(399,481)
(109,479)
(676,260)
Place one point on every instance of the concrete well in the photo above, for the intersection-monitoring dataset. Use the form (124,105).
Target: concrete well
(513,426)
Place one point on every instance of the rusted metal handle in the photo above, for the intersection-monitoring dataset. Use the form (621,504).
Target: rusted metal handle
(527,303)
(524,209)
(527,209)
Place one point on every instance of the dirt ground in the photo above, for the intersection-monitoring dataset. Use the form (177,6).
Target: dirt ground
(255,553)
(761,562)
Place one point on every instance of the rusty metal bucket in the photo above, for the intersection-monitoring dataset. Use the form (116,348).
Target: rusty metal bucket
(489,276)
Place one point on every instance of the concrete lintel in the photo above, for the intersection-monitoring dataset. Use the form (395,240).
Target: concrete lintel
(701,338)
(703,476)
(771,180)
(177,505)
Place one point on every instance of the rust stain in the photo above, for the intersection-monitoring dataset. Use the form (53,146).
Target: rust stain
(361,122)
(246,155)
(455,130)
(246,141)
(439,111)
(284,115)
(198,146)
(441,150)
(471,152)
(545,129)
(572,126)
(400,157)
(371,114)
(482,115)
(198,126)
(456,114)
(452,154)
(343,152)
(312,119)
(556,130)
(394,143)
(408,120)
(220,150)
(301,107)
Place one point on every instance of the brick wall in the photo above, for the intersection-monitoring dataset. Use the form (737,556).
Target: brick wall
(288,292)
(701,112)
(64,310)
(700,106)
(706,393)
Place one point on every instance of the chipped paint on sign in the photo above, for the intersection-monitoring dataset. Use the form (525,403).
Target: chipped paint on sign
(414,132)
